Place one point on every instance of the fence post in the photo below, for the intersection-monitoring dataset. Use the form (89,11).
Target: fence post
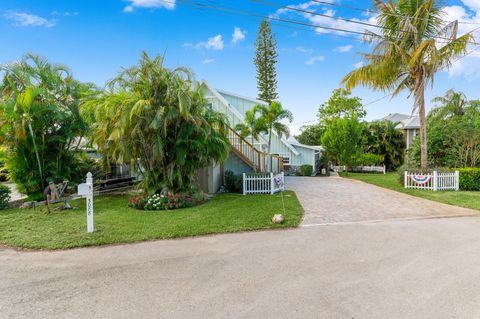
(272,182)
(384,169)
(457,180)
(435,181)
(244,184)
(283,182)
(405,181)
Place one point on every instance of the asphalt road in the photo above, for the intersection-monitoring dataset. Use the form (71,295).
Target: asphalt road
(395,269)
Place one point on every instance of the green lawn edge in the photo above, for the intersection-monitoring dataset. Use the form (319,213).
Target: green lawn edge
(115,223)
(390,181)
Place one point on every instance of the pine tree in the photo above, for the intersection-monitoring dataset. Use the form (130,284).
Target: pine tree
(265,61)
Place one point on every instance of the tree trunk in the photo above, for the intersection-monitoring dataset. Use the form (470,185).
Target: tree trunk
(269,145)
(420,103)
(36,153)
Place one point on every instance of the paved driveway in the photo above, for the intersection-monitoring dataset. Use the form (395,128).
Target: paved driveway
(335,199)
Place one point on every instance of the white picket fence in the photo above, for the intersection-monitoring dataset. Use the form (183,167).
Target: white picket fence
(435,181)
(267,183)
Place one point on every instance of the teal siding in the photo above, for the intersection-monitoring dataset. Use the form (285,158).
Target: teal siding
(236,165)
(306,156)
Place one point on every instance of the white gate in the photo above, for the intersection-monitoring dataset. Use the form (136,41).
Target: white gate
(266,183)
(435,181)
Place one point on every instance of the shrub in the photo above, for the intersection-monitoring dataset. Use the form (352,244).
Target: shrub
(233,183)
(469,179)
(138,201)
(368,159)
(4,196)
(305,170)
(166,201)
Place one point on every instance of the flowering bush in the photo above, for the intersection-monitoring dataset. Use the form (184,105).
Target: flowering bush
(161,202)
(138,201)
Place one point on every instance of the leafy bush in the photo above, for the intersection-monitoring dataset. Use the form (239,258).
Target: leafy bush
(4,196)
(168,201)
(469,179)
(368,159)
(233,183)
(305,170)
(138,201)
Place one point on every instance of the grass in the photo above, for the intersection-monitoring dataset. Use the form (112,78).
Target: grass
(116,223)
(390,181)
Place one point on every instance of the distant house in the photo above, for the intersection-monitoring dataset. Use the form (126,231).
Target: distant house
(246,156)
(408,124)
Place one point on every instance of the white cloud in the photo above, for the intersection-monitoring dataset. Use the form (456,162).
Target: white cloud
(327,22)
(314,60)
(469,66)
(208,61)
(343,49)
(150,4)
(213,43)
(304,50)
(238,35)
(358,65)
(22,19)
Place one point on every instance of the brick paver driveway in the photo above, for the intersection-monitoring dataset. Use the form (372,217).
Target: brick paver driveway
(336,199)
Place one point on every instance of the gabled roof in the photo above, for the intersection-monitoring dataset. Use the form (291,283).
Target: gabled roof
(241,97)
(293,141)
(217,94)
(396,117)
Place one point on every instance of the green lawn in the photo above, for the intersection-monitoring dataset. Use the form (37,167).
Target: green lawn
(117,223)
(390,181)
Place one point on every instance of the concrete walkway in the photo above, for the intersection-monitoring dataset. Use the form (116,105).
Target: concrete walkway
(340,200)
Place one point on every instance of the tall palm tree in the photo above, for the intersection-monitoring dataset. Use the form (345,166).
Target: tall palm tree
(412,47)
(270,120)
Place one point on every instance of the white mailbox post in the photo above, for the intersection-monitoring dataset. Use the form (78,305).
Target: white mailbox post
(86,190)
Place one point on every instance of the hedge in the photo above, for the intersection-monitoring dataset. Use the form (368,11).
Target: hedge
(469,179)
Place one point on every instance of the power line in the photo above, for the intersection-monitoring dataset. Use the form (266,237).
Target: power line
(376,12)
(273,4)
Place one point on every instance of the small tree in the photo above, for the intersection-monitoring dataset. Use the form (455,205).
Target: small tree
(270,120)
(311,134)
(158,120)
(40,124)
(265,61)
(342,140)
(341,104)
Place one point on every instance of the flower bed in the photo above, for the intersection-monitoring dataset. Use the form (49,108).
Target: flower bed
(166,201)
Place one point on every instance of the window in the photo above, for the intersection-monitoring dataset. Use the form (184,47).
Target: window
(286,159)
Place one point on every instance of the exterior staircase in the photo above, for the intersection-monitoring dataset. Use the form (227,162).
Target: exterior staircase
(259,161)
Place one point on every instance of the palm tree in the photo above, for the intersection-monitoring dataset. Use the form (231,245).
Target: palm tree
(412,47)
(270,120)
(158,120)
(451,104)
(39,116)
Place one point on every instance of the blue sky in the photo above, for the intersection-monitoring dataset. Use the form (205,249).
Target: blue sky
(97,38)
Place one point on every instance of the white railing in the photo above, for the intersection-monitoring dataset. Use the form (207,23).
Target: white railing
(266,183)
(435,181)
(370,169)
(364,169)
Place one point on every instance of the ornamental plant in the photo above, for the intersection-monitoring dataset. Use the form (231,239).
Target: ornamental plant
(168,201)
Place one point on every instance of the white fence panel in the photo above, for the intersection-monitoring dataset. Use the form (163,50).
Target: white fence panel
(266,183)
(435,181)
